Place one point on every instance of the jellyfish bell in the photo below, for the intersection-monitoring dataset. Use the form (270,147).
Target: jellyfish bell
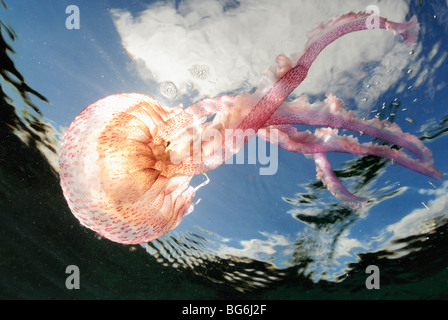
(112,172)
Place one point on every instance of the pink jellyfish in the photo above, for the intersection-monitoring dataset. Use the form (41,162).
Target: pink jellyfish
(126,161)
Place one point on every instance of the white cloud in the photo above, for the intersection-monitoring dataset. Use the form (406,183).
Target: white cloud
(235,46)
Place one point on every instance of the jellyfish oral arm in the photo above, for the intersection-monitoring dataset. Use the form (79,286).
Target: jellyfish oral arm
(326,174)
(331,114)
(288,80)
(256,110)
(269,109)
(325,140)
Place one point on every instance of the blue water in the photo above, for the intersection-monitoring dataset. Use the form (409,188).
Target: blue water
(252,236)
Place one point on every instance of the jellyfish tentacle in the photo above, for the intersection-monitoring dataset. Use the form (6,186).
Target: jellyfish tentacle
(291,139)
(326,174)
(206,182)
(327,140)
(330,113)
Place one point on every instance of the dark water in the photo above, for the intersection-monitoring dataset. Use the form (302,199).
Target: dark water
(39,237)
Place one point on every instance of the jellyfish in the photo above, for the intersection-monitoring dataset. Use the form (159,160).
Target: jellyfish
(126,161)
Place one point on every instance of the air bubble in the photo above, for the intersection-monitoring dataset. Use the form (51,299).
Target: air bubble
(410,120)
(201,72)
(168,90)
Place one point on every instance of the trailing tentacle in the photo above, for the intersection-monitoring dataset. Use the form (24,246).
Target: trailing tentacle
(330,113)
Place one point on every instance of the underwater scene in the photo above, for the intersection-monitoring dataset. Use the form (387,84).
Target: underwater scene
(224,149)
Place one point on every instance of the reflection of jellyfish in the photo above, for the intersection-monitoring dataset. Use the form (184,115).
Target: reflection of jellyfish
(168,90)
(117,173)
(201,72)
